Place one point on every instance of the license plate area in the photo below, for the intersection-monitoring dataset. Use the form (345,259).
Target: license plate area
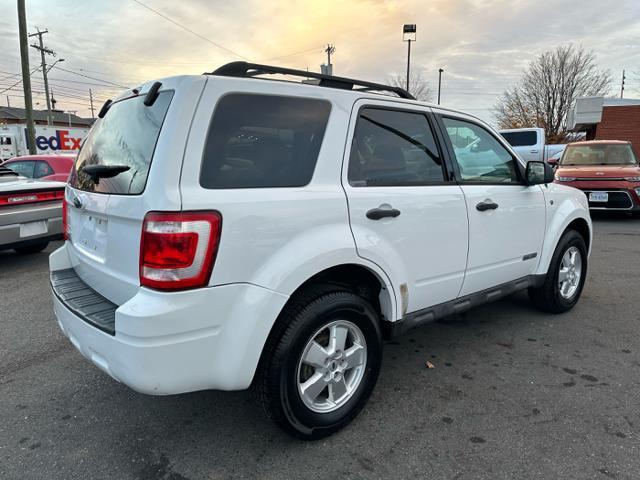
(599,197)
(31,229)
(90,235)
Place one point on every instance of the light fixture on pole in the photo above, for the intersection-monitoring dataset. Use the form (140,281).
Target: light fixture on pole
(439,82)
(408,35)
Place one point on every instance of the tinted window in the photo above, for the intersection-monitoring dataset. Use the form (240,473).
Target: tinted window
(22,168)
(480,157)
(42,169)
(127,135)
(5,140)
(393,148)
(257,141)
(521,139)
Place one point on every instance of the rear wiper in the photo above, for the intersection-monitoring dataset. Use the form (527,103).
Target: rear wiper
(104,171)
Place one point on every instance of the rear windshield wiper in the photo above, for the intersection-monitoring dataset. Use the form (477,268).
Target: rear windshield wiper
(104,171)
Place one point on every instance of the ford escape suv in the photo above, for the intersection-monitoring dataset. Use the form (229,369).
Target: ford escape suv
(225,230)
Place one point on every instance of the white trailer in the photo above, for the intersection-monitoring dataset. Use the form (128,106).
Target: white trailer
(54,139)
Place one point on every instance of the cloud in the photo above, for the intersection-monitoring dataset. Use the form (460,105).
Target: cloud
(483,45)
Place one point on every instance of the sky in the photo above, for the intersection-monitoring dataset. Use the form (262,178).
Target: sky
(483,45)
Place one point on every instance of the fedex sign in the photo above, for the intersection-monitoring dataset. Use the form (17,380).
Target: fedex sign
(62,140)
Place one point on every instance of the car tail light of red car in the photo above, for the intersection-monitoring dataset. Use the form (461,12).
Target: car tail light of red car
(21,198)
(178,249)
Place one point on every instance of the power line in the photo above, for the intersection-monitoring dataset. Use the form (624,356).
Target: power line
(31,73)
(90,77)
(202,37)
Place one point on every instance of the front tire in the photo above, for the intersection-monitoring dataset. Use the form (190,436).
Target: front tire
(565,278)
(321,363)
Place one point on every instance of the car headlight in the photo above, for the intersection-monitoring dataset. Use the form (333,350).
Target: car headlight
(632,179)
(565,179)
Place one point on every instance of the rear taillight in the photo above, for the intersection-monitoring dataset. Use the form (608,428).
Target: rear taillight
(20,198)
(177,250)
(65,220)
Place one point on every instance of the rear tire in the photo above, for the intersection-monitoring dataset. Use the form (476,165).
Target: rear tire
(564,281)
(33,248)
(321,362)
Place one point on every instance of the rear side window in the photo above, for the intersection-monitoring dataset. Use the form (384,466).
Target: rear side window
(521,139)
(42,169)
(393,148)
(258,141)
(127,135)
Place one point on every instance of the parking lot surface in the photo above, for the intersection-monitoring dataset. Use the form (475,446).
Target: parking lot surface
(514,394)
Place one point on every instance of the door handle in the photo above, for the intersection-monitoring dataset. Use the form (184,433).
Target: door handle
(488,204)
(378,213)
(534,151)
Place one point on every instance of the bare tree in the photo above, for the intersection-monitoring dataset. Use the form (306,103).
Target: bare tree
(548,88)
(418,86)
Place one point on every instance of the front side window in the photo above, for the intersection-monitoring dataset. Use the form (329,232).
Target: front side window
(42,169)
(393,148)
(24,169)
(599,154)
(480,157)
(259,141)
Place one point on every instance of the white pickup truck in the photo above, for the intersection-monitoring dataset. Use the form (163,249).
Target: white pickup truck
(530,144)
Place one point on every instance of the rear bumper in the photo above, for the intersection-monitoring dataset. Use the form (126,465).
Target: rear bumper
(11,219)
(166,343)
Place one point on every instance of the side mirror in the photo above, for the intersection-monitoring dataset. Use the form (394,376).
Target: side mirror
(553,162)
(538,173)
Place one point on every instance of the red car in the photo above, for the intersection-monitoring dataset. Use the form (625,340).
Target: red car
(42,167)
(607,171)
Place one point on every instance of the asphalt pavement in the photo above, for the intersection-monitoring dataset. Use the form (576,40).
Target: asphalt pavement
(515,394)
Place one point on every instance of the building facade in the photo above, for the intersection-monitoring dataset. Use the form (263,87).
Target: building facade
(9,115)
(607,119)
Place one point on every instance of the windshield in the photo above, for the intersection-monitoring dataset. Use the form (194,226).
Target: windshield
(127,135)
(602,154)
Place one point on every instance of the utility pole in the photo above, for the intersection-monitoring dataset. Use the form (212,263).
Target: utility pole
(48,51)
(622,88)
(440,70)
(329,51)
(8,102)
(26,77)
(91,100)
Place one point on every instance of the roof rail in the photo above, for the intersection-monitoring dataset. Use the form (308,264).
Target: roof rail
(249,70)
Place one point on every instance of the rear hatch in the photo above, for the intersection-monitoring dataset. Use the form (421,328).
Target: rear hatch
(141,150)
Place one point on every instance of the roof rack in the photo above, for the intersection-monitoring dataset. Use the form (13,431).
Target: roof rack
(249,70)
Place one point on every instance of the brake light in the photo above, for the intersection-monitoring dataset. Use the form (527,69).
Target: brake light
(178,250)
(21,198)
(65,221)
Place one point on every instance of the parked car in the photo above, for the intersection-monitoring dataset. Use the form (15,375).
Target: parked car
(43,167)
(607,171)
(30,212)
(225,230)
(530,144)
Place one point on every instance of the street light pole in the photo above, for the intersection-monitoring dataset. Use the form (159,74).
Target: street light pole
(439,83)
(409,35)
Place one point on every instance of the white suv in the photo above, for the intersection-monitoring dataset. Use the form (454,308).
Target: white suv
(224,231)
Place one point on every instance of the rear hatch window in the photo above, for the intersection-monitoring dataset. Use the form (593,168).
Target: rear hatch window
(521,139)
(127,135)
(258,141)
